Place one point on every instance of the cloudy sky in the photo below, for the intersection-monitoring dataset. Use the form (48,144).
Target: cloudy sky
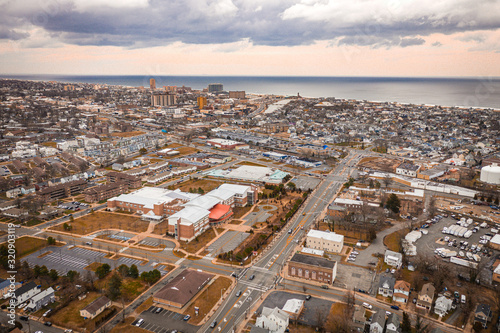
(251,37)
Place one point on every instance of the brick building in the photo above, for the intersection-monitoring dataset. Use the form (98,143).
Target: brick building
(62,190)
(312,268)
(104,192)
(131,181)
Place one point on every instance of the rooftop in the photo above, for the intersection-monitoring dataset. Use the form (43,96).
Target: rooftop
(313,260)
(330,236)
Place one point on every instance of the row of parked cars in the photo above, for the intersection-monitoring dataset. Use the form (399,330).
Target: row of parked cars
(352,256)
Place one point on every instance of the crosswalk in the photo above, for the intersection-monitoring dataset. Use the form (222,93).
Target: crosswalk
(254,286)
(149,242)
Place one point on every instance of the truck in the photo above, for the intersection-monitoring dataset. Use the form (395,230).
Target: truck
(447,253)
(484,225)
(468,234)
(476,258)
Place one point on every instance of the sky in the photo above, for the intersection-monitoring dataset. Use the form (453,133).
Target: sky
(251,37)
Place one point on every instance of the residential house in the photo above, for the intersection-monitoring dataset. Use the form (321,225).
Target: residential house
(426,296)
(394,259)
(294,308)
(5,287)
(358,317)
(442,306)
(386,286)
(401,291)
(275,320)
(392,324)
(378,322)
(95,308)
(41,299)
(25,292)
(482,314)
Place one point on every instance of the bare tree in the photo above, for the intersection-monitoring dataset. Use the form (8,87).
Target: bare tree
(320,316)
(432,209)
(387,180)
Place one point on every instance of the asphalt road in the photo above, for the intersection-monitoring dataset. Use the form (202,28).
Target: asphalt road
(31,325)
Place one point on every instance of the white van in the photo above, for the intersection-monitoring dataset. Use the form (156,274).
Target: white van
(463,299)
(368,306)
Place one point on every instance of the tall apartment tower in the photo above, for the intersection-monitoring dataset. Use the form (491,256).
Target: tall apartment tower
(202,102)
(163,99)
(215,87)
(152,84)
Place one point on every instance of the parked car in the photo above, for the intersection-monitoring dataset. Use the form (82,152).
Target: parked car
(47,323)
(368,306)
(325,286)
(158,310)
(186,318)
(394,307)
(308,297)
(251,277)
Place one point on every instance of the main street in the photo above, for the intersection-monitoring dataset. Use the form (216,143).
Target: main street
(267,268)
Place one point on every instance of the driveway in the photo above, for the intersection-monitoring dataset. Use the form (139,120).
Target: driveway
(377,246)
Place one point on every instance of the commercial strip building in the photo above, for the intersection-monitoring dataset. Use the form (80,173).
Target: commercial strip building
(312,268)
(251,174)
(324,240)
(182,288)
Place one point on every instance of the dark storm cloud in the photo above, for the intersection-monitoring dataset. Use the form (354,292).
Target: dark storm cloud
(285,22)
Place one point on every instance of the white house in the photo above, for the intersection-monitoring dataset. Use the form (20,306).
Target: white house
(386,286)
(442,306)
(275,320)
(41,299)
(25,292)
(378,322)
(393,259)
(392,325)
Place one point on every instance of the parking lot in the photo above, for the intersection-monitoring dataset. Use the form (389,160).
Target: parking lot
(305,183)
(227,242)
(164,322)
(350,277)
(75,205)
(66,258)
(435,239)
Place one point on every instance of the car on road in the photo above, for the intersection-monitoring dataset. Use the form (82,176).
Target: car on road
(25,318)
(394,307)
(251,277)
(308,297)
(186,318)
(47,323)
(238,293)
(213,324)
(325,286)
(366,305)
(88,243)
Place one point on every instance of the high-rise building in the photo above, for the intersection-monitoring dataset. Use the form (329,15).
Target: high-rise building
(152,84)
(163,99)
(237,94)
(215,87)
(171,88)
(202,102)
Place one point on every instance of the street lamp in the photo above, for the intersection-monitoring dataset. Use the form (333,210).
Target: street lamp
(223,289)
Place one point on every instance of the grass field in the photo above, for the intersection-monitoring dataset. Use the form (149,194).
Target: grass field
(208,298)
(70,315)
(392,241)
(183,150)
(199,242)
(127,134)
(103,220)
(26,245)
(249,163)
(240,211)
(206,185)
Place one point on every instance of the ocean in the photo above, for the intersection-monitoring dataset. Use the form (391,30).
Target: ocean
(469,92)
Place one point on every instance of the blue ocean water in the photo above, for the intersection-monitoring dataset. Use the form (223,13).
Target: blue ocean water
(469,92)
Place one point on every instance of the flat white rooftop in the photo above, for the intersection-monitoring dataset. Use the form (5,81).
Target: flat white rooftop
(331,236)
